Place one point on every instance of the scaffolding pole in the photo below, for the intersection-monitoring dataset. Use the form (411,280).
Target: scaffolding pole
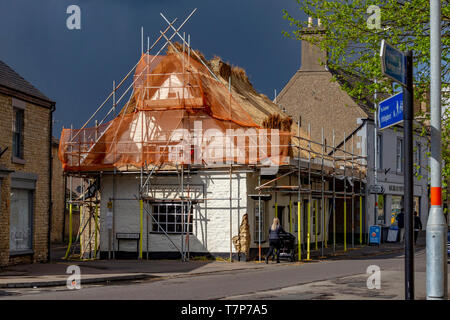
(345,197)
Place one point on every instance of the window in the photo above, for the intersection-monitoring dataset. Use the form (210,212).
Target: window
(259,222)
(379,152)
(380,209)
(417,159)
(417,205)
(399,159)
(20,220)
(18,122)
(170,218)
(396,207)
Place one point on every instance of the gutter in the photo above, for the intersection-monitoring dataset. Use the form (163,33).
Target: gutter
(50,170)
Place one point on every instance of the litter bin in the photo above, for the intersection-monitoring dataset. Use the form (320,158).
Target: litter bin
(384,233)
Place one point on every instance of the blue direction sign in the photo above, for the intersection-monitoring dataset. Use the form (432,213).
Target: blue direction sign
(393,63)
(390,111)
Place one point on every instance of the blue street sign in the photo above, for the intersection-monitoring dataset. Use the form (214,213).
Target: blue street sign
(374,234)
(390,111)
(393,63)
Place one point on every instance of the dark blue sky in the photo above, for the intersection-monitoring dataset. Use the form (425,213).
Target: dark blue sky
(75,68)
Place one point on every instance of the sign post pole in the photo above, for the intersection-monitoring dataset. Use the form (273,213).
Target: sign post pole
(408,178)
(436,225)
(398,66)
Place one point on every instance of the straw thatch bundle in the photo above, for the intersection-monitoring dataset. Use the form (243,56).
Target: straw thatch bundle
(242,241)
(272,121)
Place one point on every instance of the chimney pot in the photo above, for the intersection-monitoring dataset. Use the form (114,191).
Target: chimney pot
(310,22)
(319,23)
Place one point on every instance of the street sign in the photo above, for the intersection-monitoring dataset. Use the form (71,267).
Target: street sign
(393,63)
(374,235)
(376,189)
(390,111)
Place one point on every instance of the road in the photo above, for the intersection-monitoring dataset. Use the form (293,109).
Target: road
(333,279)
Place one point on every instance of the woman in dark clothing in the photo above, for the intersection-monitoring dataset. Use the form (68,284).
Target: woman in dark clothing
(417,226)
(274,239)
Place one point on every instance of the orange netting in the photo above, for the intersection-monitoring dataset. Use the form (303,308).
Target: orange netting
(177,114)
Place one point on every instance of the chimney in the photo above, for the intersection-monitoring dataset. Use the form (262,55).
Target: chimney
(311,54)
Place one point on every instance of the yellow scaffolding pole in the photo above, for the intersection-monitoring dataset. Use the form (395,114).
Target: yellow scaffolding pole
(70,232)
(308,237)
(315,221)
(141,226)
(345,224)
(80,231)
(325,236)
(96,231)
(299,225)
(290,216)
(360,219)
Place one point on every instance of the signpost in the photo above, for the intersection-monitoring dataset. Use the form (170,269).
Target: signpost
(393,63)
(377,189)
(390,111)
(398,66)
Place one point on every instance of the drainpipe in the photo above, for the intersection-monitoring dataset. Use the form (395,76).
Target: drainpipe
(50,172)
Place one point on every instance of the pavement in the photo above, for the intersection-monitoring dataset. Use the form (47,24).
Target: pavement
(105,271)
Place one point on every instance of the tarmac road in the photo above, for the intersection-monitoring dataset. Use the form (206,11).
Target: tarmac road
(332,279)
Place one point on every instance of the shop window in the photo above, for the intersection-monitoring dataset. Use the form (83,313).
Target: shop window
(396,207)
(169,217)
(381,209)
(21,220)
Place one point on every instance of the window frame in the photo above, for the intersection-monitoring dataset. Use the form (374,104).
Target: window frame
(417,160)
(171,225)
(262,223)
(18,134)
(30,193)
(399,155)
(379,151)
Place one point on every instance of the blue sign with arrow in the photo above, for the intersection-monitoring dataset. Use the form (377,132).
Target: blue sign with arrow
(390,111)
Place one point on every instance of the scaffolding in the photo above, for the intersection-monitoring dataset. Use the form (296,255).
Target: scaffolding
(92,153)
(342,165)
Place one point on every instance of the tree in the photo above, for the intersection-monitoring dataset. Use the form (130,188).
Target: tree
(353,46)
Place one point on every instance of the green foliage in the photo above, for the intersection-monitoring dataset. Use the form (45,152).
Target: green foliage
(354,48)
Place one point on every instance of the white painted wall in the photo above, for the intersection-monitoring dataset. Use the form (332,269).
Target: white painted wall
(211,219)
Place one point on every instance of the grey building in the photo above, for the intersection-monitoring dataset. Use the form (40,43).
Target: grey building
(311,96)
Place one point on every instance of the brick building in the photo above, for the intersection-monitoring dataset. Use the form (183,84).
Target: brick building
(58,187)
(25,170)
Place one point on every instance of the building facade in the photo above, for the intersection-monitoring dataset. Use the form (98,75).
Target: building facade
(25,170)
(326,109)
